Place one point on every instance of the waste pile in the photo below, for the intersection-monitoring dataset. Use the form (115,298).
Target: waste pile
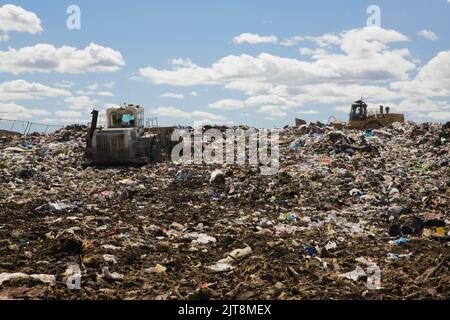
(349,215)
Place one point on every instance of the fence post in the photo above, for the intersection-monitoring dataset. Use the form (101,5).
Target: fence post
(12,127)
(46,128)
(27,128)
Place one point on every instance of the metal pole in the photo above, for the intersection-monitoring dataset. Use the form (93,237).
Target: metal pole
(12,127)
(46,128)
(27,128)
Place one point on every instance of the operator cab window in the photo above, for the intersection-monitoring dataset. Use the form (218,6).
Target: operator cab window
(123,120)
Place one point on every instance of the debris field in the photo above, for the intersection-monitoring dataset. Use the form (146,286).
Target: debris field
(349,215)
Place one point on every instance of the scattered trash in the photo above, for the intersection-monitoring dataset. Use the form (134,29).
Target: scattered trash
(419,168)
(216,196)
(355,193)
(366,261)
(289,217)
(221,267)
(45,278)
(435,232)
(110,258)
(434,223)
(354,275)
(56,206)
(217,176)
(330,246)
(394,230)
(410,226)
(311,251)
(225,263)
(157,269)
(200,238)
(397,256)
(108,275)
(299,143)
(401,241)
(26,145)
(239,253)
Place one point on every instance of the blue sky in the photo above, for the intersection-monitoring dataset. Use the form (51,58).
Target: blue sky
(224,61)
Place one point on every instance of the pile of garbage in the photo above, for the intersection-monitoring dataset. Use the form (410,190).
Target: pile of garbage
(349,215)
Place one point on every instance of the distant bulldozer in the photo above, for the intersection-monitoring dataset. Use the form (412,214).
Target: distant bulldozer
(125,140)
(299,122)
(360,118)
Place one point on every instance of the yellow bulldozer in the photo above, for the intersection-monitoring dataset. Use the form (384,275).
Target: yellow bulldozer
(361,119)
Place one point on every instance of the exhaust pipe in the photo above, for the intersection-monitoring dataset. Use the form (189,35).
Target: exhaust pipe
(93,126)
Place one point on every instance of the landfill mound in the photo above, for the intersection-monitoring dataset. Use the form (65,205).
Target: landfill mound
(349,215)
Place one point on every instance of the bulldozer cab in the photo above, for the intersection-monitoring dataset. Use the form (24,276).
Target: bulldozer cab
(130,116)
(358,111)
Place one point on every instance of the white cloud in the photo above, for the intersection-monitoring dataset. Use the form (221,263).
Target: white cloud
(365,56)
(274,111)
(110,85)
(441,116)
(316,53)
(342,109)
(308,112)
(93,87)
(270,99)
(23,90)
(14,18)
(47,58)
(4,37)
(182,62)
(195,115)
(172,95)
(419,104)
(432,80)
(64,84)
(428,35)
(322,41)
(228,104)
(250,87)
(255,101)
(17,112)
(105,94)
(254,39)
(194,94)
(81,102)
(69,114)
(292,41)
(61,121)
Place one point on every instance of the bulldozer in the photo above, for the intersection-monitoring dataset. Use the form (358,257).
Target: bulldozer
(361,119)
(125,140)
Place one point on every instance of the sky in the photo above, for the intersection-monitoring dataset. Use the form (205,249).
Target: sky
(256,62)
